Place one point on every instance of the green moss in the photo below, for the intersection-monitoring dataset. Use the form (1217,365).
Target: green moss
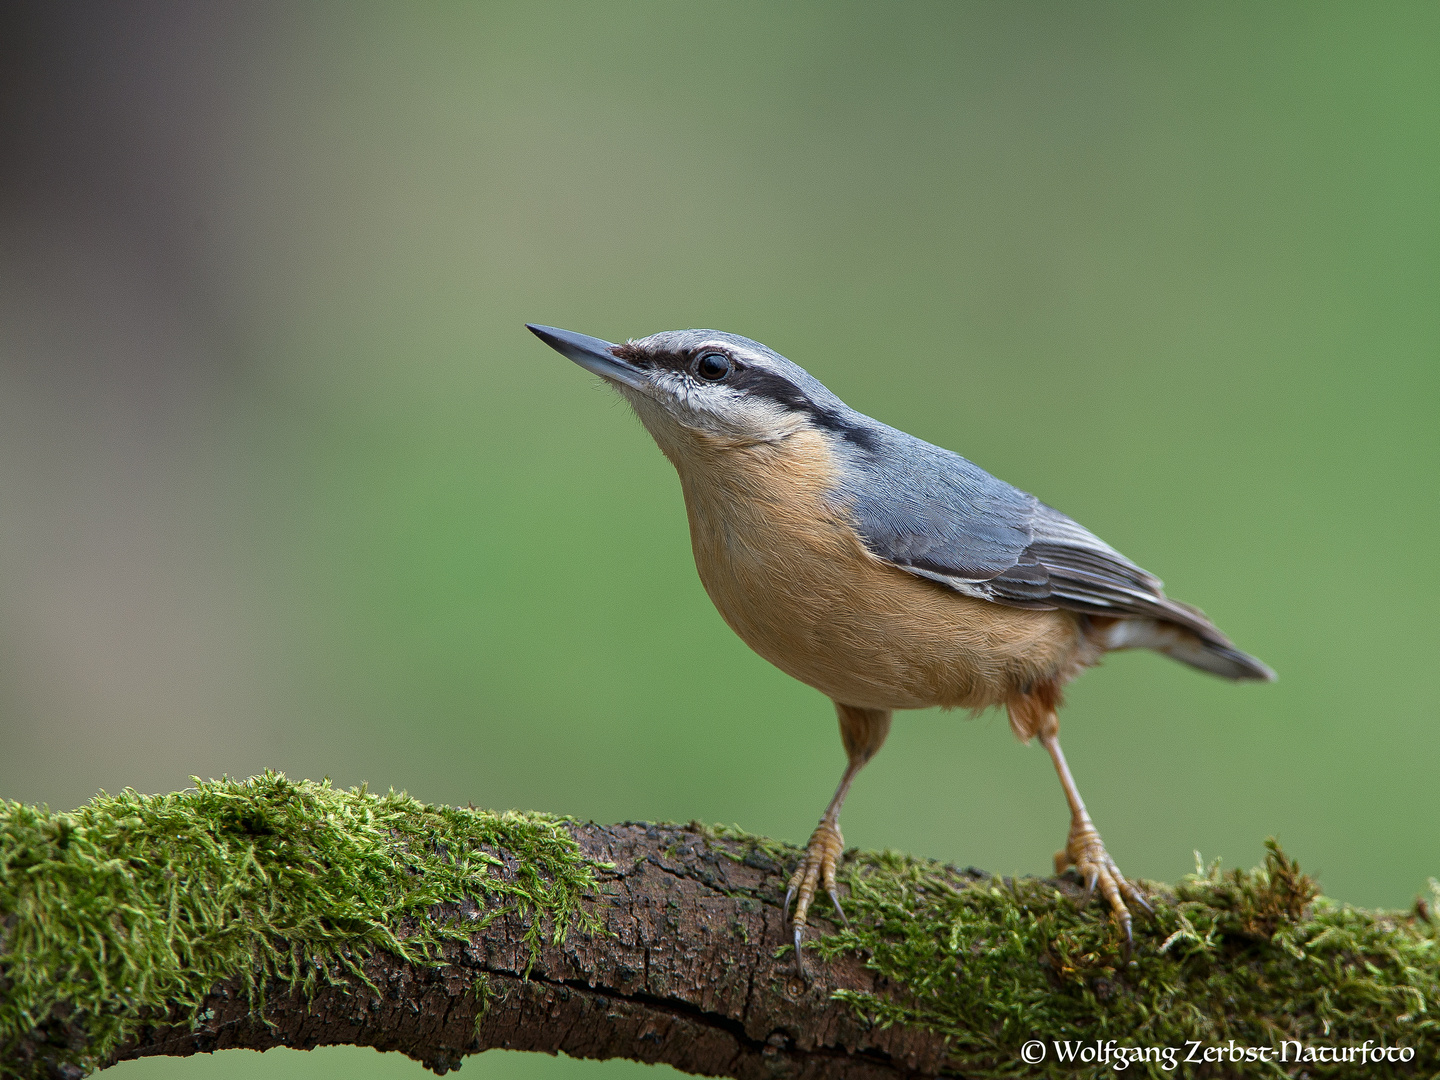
(137,901)
(1250,956)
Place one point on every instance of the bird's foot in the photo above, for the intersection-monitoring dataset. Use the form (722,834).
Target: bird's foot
(816,870)
(1085,851)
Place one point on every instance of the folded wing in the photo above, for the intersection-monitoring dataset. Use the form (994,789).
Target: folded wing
(955,524)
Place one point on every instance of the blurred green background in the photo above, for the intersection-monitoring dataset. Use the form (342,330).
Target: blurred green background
(285,483)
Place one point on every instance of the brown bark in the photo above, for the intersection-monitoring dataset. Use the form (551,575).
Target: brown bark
(685,973)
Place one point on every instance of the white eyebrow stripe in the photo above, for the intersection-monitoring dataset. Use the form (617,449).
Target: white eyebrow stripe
(729,348)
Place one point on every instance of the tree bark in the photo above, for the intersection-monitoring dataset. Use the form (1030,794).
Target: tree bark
(684,973)
(143,924)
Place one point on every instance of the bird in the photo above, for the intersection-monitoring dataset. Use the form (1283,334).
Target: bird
(889,573)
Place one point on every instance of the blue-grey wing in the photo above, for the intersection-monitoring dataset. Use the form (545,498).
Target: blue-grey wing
(938,516)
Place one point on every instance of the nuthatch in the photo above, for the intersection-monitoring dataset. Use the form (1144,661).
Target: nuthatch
(886,572)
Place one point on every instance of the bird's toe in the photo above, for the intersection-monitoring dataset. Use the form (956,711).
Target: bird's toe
(816,871)
(1085,851)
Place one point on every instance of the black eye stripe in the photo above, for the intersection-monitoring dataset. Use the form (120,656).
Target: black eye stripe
(756,382)
(772,387)
(777,388)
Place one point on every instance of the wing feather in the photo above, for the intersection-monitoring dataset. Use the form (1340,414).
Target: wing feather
(938,516)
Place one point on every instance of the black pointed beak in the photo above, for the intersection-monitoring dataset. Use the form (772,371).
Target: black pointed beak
(592,353)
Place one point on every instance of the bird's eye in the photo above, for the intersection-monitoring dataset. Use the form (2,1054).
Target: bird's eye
(713,366)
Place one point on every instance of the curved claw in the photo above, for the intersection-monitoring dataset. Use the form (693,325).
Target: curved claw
(839,911)
(815,871)
(1086,852)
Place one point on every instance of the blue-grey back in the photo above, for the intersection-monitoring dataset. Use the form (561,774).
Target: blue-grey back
(928,508)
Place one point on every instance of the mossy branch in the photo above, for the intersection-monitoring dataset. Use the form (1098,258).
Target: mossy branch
(270,913)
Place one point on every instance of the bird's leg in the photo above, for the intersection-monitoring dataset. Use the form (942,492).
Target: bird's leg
(1086,851)
(863,732)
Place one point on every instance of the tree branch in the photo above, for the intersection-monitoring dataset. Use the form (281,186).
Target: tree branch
(681,970)
(374,920)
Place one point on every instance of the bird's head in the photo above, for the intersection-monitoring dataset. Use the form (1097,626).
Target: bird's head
(699,390)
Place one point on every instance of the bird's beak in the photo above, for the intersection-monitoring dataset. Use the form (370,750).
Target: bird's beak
(591,353)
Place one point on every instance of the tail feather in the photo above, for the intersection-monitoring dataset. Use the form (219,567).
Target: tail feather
(1215,655)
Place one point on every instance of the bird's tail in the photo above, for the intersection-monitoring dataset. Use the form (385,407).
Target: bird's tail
(1210,652)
